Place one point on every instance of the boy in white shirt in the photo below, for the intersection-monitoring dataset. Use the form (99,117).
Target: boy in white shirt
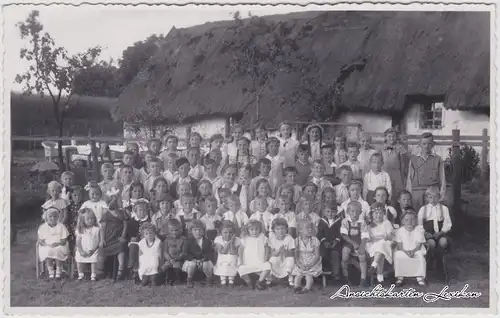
(352,161)
(196,170)
(344,173)
(262,214)
(355,195)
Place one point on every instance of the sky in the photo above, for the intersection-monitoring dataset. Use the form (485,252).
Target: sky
(115,28)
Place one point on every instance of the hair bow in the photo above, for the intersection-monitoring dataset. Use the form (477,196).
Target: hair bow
(87,187)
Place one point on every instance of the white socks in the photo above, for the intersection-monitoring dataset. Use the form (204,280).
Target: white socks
(380,277)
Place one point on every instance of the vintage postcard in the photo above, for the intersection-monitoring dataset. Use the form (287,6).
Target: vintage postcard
(325,158)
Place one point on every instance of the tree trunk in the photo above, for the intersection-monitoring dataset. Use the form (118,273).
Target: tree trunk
(59,147)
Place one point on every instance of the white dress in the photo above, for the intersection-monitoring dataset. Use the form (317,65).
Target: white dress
(59,204)
(53,235)
(254,253)
(149,257)
(89,241)
(381,246)
(227,264)
(405,266)
(281,265)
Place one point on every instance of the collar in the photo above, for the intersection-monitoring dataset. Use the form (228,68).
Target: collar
(348,218)
(302,163)
(135,217)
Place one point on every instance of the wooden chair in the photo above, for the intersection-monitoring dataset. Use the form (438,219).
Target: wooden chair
(68,266)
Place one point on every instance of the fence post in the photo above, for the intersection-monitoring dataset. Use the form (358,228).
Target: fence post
(484,152)
(95,158)
(457,173)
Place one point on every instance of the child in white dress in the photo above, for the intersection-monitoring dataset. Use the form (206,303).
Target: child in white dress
(87,243)
(254,254)
(282,247)
(96,203)
(227,245)
(308,263)
(409,258)
(379,243)
(149,255)
(53,242)
(54,189)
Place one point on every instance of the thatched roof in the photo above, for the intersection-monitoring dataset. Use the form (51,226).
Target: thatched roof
(395,54)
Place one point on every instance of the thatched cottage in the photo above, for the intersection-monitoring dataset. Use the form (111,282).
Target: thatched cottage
(418,70)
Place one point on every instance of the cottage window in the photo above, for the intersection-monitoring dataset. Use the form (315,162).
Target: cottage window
(432,116)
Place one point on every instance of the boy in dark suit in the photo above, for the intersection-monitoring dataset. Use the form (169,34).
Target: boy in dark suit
(198,253)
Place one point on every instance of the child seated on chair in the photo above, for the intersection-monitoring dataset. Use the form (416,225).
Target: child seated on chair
(149,255)
(403,206)
(199,253)
(173,252)
(354,233)
(308,262)
(409,257)
(227,246)
(87,243)
(436,221)
(254,254)
(282,247)
(355,196)
(53,242)
(113,234)
(330,239)
(379,242)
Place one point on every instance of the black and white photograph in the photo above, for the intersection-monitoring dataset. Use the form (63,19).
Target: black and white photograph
(249,156)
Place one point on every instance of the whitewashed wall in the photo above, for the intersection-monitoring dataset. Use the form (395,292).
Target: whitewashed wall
(469,123)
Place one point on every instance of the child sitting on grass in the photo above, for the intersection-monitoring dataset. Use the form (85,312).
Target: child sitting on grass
(409,258)
(149,255)
(436,221)
(379,242)
(254,254)
(87,243)
(354,234)
(331,239)
(307,256)
(282,248)
(198,254)
(53,242)
(227,246)
(173,252)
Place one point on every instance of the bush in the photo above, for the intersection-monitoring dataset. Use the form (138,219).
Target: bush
(469,162)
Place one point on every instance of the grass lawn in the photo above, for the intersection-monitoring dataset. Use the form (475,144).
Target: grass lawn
(469,263)
(470,266)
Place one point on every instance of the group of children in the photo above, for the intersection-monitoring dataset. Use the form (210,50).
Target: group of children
(268,209)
